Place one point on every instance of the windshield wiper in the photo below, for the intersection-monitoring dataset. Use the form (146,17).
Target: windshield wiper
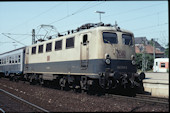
(107,41)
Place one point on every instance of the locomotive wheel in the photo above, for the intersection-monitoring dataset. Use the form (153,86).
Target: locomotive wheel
(64,85)
(32,81)
(62,82)
(41,82)
(83,83)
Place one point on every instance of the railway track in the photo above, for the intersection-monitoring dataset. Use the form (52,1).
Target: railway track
(150,98)
(22,101)
(1,110)
(142,98)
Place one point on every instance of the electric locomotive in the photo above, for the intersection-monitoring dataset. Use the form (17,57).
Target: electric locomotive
(93,54)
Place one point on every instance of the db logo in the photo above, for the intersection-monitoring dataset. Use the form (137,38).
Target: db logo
(48,58)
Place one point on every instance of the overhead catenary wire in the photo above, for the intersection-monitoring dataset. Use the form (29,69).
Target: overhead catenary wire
(126,13)
(31,19)
(132,10)
(75,13)
(13,39)
(83,9)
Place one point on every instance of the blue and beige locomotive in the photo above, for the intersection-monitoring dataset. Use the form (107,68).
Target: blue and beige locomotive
(92,55)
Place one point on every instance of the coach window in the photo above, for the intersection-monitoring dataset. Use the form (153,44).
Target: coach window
(163,65)
(7,60)
(109,37)
(127,39)
(48,47)
(40,49)
(19,58)
(13,59)
(34,50)
(70,43)
(16,59)
(4,60)
(10,60)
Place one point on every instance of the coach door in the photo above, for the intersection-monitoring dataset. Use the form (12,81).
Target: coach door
(84,50)
(26,59)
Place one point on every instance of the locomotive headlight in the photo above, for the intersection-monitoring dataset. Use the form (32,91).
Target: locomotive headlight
(133,62)
(107,57)
(107,61)
(133,57)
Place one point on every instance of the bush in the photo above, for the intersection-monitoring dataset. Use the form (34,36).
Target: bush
(148,58)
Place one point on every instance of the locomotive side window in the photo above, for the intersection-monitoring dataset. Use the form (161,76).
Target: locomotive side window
(34,50)
(70,43)
(58,45)
(0,61)
(127,39)
(109,37)
(48,47)
(40,49)
(85,39)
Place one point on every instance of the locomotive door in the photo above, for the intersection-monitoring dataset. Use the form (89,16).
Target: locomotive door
(84,50)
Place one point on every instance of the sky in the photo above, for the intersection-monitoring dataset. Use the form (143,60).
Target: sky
(17,19)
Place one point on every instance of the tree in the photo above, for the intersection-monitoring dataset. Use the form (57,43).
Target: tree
(139,60)
(148,58)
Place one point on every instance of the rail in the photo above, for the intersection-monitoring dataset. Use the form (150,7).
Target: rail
(24,101)
(142,98)
(2,111)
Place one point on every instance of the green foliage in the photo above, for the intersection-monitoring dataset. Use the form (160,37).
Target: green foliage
(148,58)
(139,60)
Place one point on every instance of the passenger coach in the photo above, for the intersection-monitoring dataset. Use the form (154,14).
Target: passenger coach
(12,62)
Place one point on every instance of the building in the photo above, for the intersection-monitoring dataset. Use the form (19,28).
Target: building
(142,44)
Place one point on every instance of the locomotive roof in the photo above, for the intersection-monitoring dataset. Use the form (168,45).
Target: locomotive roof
(82,29)
(99,28)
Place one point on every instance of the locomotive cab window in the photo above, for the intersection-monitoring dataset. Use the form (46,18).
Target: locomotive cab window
(109,37)
(40,49)
(85,38)
(70,43)
(127,39)
(49,47)
(58,45)
(34,50)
